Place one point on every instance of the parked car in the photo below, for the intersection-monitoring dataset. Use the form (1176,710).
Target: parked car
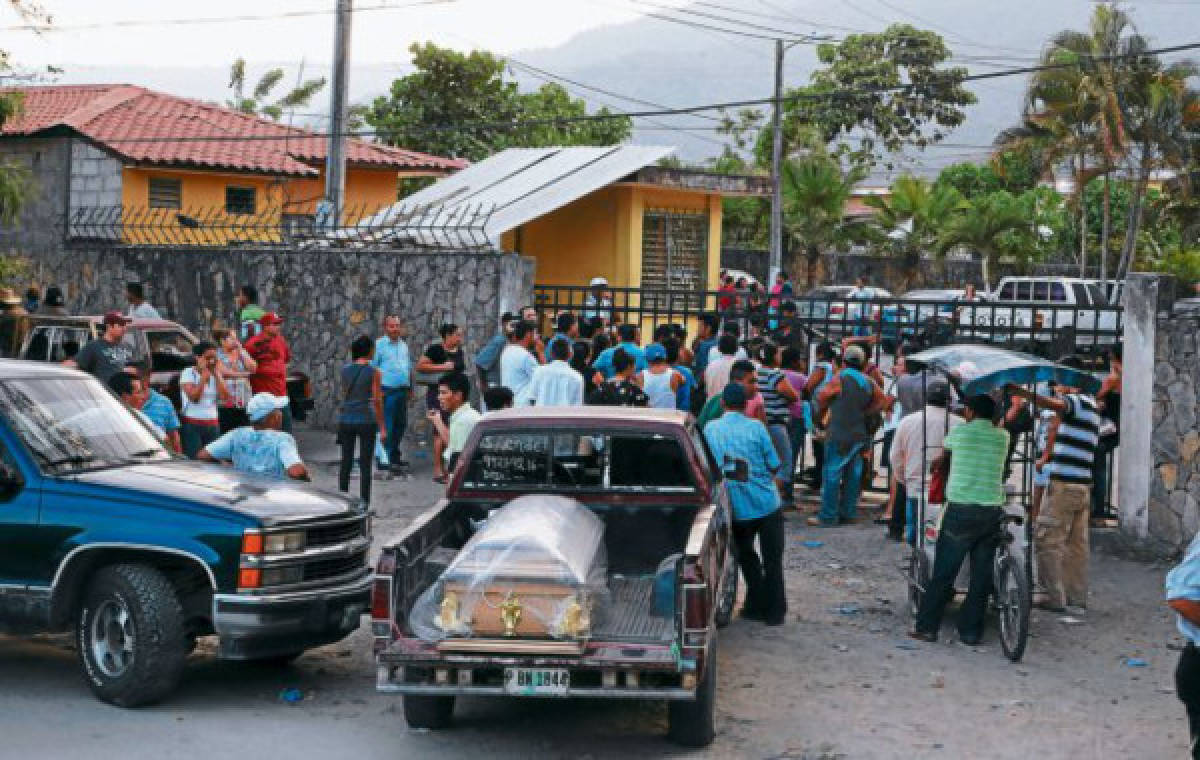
(828,310)
(167,345)
(672,578)
(1040,314)
(930,317)
(105,533)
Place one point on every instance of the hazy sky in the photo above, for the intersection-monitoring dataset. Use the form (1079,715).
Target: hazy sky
(379,36)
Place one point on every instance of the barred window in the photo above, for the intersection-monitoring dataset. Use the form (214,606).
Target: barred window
(239,200)
(165,192)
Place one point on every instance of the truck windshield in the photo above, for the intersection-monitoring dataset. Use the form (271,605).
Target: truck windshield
(74,424)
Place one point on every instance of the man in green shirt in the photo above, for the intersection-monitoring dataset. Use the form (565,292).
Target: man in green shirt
(970,522)
(249,312)
(744,374)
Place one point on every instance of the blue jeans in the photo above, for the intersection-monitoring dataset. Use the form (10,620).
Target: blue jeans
(395,415)
(782,440)
(841,481)
(968,531)
(796,434)
(910,520)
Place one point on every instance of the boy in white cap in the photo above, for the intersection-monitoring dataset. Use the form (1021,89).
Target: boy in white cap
(598,302)
(263,449)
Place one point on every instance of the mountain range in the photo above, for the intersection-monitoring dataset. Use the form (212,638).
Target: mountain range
(680,63)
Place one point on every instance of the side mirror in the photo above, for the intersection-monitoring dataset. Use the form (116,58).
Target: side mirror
(736,469)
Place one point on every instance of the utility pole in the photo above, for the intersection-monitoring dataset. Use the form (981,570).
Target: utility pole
(335,160)
(776,249)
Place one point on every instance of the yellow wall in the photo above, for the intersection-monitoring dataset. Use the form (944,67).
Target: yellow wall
(203,194)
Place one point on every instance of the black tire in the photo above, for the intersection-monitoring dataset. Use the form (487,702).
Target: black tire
(918,579)
(133,609)
(693,723)
(421,711)
(727,597)
(1013,603)
(276,660)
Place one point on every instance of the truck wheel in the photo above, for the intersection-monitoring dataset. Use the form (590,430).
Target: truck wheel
(130,634)
(421,711)
(693,723)
(277,660)
(727,597)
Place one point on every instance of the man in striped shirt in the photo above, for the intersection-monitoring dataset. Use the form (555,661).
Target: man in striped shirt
(1061,530)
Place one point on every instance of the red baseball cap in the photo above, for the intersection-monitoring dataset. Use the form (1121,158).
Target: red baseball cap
(270,318)
(116,318)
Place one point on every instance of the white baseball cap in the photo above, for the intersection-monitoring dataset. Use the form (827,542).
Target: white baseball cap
(597,281)
(263,404)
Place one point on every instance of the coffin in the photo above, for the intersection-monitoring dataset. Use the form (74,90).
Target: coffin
(535,569)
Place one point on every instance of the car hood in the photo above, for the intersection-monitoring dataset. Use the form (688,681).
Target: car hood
(271,501)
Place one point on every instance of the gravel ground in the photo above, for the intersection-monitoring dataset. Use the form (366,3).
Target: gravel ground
(840,680)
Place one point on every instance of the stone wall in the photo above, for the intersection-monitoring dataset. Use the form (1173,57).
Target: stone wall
(1174,499)
(47,164)
(326,297)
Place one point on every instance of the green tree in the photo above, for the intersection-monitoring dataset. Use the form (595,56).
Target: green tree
(988,226)
(911,220)
(426,109)
(256,102)
(846,100)
(815,191)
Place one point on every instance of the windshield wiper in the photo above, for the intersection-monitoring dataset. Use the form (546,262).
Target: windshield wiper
(144,453)
(75,459)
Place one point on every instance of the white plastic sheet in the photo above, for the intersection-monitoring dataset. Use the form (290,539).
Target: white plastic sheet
(538,565)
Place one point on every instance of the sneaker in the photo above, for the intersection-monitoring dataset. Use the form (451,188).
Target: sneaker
(1074,611)
(816,522)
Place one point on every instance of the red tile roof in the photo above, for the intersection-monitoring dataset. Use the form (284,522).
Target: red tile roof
(144,126)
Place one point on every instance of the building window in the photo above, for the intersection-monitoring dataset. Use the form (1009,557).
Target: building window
(165,193)
(674,259)
(239,200)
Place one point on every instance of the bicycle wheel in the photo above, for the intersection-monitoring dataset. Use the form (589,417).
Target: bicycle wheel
(1012,599)
(918,580)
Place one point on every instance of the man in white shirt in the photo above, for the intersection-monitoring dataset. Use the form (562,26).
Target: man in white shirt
(556,383)
(910,466)
(517,363)
(139,307)
(716,375)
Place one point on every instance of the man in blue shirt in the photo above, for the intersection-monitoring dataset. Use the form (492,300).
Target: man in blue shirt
(566,329)
(629,341)
(1183,596)
(487,361)
(395,364)
(263,449)
(755,502)
(159,409)
(705,342)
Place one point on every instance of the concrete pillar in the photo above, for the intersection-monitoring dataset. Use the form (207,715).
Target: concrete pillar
(1136,462)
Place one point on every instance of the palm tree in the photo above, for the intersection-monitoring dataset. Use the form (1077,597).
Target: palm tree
(254,104)
(986,225)
(913,217)
(815,192)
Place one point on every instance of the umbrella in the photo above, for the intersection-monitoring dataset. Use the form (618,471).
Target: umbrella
(985,368)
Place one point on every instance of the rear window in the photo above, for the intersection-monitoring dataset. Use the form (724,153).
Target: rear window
(561,461)
(1081,294)
(1008,292)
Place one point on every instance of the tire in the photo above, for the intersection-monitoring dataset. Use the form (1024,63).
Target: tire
(728,594)
(918,579)
(130,635)
(276,660)
(421,711)
(1013,602)
(693,723)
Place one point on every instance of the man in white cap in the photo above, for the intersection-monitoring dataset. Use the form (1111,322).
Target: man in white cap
(263,449)
(598,303)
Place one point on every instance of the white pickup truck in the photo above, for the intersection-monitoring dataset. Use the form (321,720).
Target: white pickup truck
(1037,311)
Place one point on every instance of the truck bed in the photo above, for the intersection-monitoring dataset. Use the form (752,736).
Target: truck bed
(629,616)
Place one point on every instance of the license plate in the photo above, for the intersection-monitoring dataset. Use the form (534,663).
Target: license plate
(537,682)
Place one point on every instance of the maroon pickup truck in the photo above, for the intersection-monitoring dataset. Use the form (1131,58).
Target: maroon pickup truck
(646,630)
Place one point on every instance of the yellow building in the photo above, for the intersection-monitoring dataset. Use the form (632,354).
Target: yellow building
(177,168)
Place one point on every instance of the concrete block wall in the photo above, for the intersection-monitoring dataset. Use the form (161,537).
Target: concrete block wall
(326,297)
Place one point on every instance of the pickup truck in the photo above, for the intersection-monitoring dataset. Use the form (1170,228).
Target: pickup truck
(648,475)
(1039,314)
(105,533)
(165,344)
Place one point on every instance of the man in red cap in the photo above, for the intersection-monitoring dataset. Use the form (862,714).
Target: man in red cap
(271,351)
(109,354)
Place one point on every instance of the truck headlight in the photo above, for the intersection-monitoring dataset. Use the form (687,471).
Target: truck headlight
(279,543)
(281,576)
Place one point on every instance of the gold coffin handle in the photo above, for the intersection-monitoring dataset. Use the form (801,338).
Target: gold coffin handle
(510,614)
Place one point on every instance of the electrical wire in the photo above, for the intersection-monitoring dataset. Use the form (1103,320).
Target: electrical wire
(684,110)
(128,23)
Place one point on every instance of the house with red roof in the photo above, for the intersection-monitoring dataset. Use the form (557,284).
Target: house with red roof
(127,153)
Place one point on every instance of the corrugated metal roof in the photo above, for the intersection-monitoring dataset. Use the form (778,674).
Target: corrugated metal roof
(518,185)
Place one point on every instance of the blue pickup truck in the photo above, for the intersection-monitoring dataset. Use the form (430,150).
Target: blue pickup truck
(106,533)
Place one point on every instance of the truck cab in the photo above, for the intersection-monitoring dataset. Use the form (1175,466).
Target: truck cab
(1067,314)
(105,533)
(671,577)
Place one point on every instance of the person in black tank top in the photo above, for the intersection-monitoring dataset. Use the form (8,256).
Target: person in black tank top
(1109,400)
(360,416)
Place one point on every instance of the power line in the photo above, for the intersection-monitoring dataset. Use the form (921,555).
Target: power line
(684,110)
(129,23)
(786,33)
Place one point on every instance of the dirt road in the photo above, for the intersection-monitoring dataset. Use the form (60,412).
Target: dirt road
(840,680)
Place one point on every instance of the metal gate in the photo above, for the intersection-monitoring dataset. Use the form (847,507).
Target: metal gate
(674,259)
